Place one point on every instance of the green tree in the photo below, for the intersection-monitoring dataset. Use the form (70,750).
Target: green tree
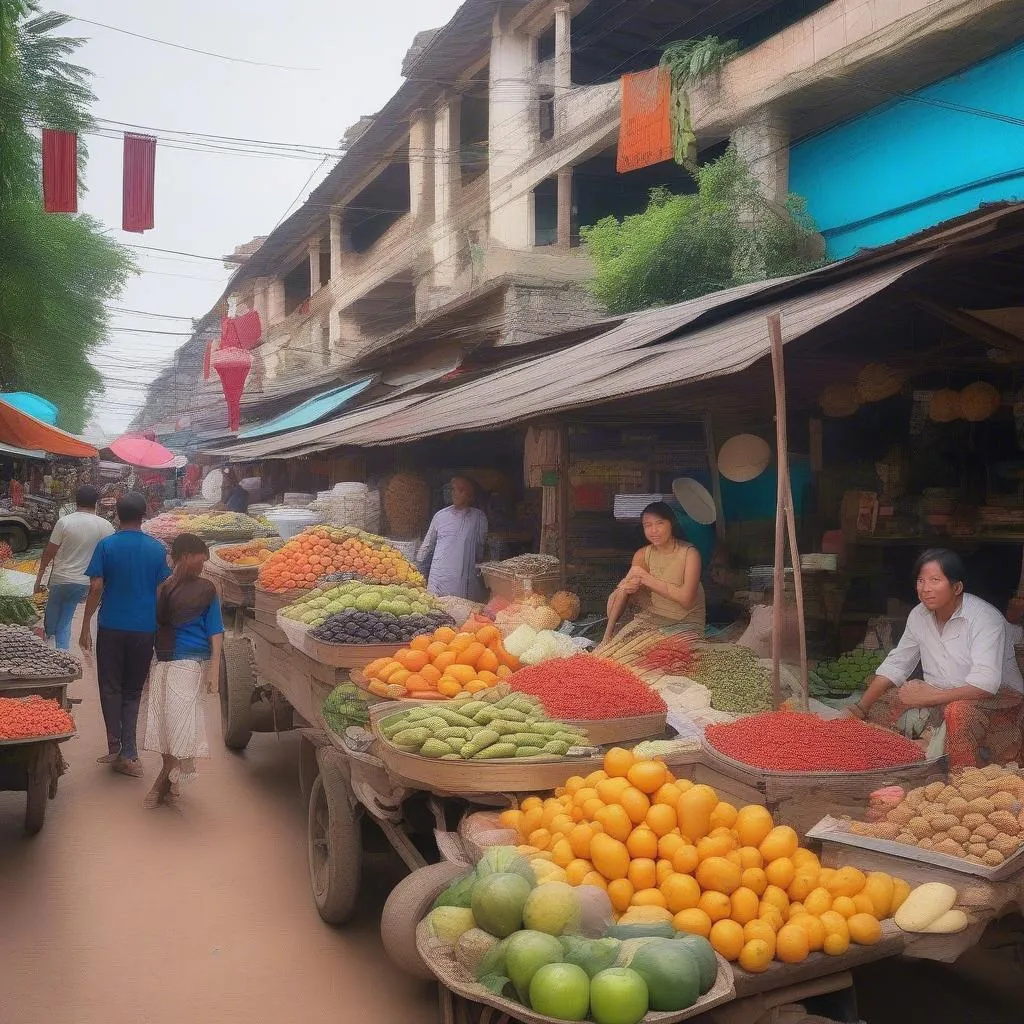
(56,270)
(684,246)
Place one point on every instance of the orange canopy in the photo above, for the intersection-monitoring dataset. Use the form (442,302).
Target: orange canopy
(18,428)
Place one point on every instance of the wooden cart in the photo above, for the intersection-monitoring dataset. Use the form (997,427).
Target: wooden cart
(33,766)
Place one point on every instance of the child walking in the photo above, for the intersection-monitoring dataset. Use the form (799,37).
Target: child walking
(190,634)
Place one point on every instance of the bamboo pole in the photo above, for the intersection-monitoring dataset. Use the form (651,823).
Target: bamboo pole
(716,479)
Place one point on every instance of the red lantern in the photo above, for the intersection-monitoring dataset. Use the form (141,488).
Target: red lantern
(232,366)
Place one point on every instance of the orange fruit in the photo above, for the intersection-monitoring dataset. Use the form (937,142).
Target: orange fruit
(715,846)
(835,924)
(415,660)
(540,837)
(782,841)
(733,857)
(609,856)
(771,916)
(803,858)
(445,634)
(647,776)
(760,929)
(665,870)
(635,804)
(461,673)
(836,944)
(511,818)
(591,808)
(755,880)
(681,892)
(667,794)
(752,825)
(661,819)
(417,682)
(615,822)
(421,642)
(470,654)
(780,872)
(487,662)
(745,905)
(445,660)
(648,898)
(750,857)
(642,842)
(476,686)
(596,879)
(436,648)
(668,844)
(488,634)
(818,901)
(776,897)
(609,790)
(461,641)
(715,904)
(561,853)
(488,677)
(724,814)
(718,874)
(812,926)
(617,762)
(694,811)
(643,873)
(620,892)
(685,859)
(579,838)
(693,921)
(449,687)
(847,882)
(595,777)
(431,674)
(756,955)
(805,881)
(862,901)
(727,938)
(791,945)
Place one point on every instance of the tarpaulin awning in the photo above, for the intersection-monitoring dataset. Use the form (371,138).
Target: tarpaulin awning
(310,411)
(24,453)
(18,428)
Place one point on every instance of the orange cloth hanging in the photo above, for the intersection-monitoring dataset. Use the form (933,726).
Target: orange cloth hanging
(645,129)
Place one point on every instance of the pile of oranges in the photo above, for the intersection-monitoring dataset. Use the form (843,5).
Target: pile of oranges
(442,664)
(255,552)
(324,549)
(668,850)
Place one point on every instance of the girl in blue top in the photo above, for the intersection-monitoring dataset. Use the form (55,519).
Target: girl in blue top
(189,638)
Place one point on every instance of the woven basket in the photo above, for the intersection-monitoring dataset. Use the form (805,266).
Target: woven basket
(441,959)
(406,505)
(876,382)
(839,401)
(979,401)
(944,406)
(295,631)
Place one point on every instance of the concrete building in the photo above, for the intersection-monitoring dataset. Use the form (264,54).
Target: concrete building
(471,184)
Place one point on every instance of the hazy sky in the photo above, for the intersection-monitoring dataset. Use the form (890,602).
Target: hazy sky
(209,202)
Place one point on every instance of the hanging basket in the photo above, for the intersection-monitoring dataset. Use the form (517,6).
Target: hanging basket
(979,401)
(876,382)
(944,406)
(839,401)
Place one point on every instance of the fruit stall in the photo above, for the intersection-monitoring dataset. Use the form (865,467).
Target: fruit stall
(34,718)
(632,834)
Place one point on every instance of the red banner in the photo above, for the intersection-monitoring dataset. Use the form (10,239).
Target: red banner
(139,180)
(645,128)
(60,171)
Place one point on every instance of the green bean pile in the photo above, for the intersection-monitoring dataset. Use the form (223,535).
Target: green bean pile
(738,684)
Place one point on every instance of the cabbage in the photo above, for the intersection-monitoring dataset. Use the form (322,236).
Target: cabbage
(520,640)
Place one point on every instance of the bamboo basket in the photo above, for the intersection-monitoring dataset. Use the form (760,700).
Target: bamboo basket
(344,655)
(270,603)
(441,960)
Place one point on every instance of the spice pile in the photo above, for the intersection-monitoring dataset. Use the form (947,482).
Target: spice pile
(673,656)
(22,653)
(586,687)
(29,717)
(736,681)
(791,741)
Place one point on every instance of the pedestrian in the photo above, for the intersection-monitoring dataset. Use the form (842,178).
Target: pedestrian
(125,571)
(454,544)
(189,637)
(69,551)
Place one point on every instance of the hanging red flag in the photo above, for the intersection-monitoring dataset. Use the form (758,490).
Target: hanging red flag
(139,177)
(645,129)
(232,366)
(249,329)
(229,333)
(60,171)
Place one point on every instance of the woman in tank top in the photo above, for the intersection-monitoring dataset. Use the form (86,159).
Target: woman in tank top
(664,580)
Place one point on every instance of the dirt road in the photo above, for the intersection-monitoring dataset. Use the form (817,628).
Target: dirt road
(116,915)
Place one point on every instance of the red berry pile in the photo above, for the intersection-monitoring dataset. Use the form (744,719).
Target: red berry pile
(791,741)
(27,717)
(585,687)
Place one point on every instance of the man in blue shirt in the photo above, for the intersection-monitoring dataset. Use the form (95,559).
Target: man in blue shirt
(124,573)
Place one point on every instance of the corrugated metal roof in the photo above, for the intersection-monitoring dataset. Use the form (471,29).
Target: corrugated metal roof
(308,412)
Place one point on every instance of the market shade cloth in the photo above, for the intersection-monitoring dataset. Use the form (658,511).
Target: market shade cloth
(310,411)
(60,171)
(24,431)
(140,451)
(24,453)
(645,129)
(35,405)
(138,183)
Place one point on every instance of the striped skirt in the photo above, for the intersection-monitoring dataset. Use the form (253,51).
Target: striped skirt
(173,714)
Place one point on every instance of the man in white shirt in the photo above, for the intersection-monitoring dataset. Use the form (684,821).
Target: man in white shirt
(70,549)
(454,544)
(971,678)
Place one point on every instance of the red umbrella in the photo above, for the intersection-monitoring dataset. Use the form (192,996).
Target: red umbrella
(140,451)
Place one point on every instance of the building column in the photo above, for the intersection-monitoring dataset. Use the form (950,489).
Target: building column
(763,145)
(421,166)
(275,301)
(563,64)
(260,300)
(314,266)
(447,181)
(337,246)
(564,208)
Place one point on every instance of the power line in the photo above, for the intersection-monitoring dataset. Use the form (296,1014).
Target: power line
(189,49)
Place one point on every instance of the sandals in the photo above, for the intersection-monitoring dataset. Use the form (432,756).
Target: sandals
(157,795)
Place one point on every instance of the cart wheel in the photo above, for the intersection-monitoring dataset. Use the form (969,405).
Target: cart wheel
(309,767)
(334,838)
(407,905)
(35,802)
(237,686)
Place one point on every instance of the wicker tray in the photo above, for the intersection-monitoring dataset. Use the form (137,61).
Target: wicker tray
(240,573)
(57,738)
(271,603)
(344,655)
(605,731)
(441,960)
(835,830)
(297,632)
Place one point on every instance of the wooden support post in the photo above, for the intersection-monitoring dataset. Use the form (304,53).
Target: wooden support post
(716,478)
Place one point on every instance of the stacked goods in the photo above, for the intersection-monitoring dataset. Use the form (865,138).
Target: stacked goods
(32,717)
(737,682)
(493,723)
(532,611)
(377,627)
(406,503)
(22,653)
(345,706)
(528,939)
(587,687)
(674,858)
(532,647)
(442,664)
(519,577)
(793,741)
(977,816)
(166,526)
(846,675)
(250,554)
(316,607)
(226,525)
(321,550)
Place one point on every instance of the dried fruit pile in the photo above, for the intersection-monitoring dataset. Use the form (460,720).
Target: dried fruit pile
(321,550)
(977,816)
(674,858)
(792,741)
(442,664)
(22,653)
(587,687)
(29,717)
(377,627)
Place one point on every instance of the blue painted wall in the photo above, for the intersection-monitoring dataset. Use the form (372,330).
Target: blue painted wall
(913,163)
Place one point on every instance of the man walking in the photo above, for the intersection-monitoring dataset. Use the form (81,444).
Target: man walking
(454,544)
(70,550)
(125,571)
